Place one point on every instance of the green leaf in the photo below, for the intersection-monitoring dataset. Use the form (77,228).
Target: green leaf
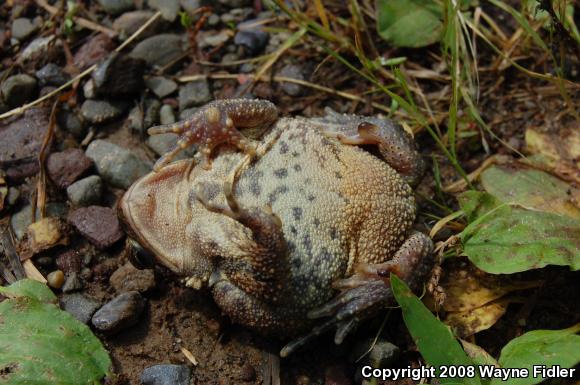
(434,339)
(41,344)
(476,203)
(29,288)
(508,240)
(540,347)
(409,23)
(530,188)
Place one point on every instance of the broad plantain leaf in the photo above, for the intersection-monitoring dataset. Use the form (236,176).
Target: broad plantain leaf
(531,189)
(540,347)
(409,23)
(435,341)
(41,344)
(509,239)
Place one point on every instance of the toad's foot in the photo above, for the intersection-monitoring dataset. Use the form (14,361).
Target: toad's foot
(215,124)
(368,290)
(394,143)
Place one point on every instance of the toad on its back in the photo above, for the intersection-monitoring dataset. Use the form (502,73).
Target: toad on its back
(309,228)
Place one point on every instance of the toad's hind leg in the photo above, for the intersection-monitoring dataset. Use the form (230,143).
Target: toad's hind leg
(262,267)
(368,290)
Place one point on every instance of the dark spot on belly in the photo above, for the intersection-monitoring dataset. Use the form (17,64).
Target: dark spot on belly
(310,198)
(291,246)
(338,175)
(210,191)
(283,147)
(325,256)
(296,263)
(316,222)
(297,213)
(293,230)
(295,154)
(281,173)
(297,168)
(333,233)
(255,181)
(277,192)
(307,243)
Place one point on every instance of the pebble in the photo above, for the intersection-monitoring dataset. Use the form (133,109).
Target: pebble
(159,50)
(23,27)
(72,283)
(55,279)
(71,122)
(93,51)
(190,5)
(235,3)
(382,355)
(295,72)
(69,262)
(119,75)
(121,312)
(252,37)
(141,121)
(85,192)
(188,113)
(212,39)
(65,167)
(23,218)
(18,89)
(194,94)
(166,115)
(161,86)
(42,50)
(102,111)
(117,165)
(116,7)
(89,89)
(80,306)
(51,75)
(12,196)
(128,278)
(168,8)
(129,22)
(163,143)
(22,138)
(98,224)
(166,374)
(47,233)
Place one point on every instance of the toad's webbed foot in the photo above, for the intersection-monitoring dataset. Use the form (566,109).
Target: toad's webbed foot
(215,124)
(394,143)
(368,290)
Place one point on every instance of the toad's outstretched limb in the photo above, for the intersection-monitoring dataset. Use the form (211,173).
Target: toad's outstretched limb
(256,265)
(215,124)
(394,143)
(368,290)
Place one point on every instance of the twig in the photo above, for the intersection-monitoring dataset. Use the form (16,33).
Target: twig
(79,20)
(42,154)
(23,108)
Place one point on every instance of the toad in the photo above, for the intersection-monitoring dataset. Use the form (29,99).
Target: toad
(299,237)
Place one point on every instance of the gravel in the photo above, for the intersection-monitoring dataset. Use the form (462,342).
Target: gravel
(166,375)
(120,313)
(98,224)
(82,307)
(85,192)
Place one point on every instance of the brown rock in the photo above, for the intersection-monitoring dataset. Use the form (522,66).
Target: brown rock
(94,50)
(121,312)
(69,262)
(66,167)
(128,278)
(98,224)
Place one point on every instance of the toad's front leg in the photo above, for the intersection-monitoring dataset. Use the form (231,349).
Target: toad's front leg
(368,290)
(217,123)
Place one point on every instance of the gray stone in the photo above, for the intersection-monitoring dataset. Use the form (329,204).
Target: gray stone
(190,5)
(235,3)
(168,8)
(166,375)
(383,354)
(89,89)
(213,20)
(161,86)
(18,89)
(22,28)
(252,37)
(129,278)
(116,165)
(102,111)
(129,22)
(116,7)
(141,121)
(164,143)
(13,195)
(72,283)
(51,75)
(159,50)
(86,192)
(188,113)
(166,115)
(23,218)
(71,122)
(42,50)
(194,94)
(80,306)
(120,313)
(295,72)
(212,39)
